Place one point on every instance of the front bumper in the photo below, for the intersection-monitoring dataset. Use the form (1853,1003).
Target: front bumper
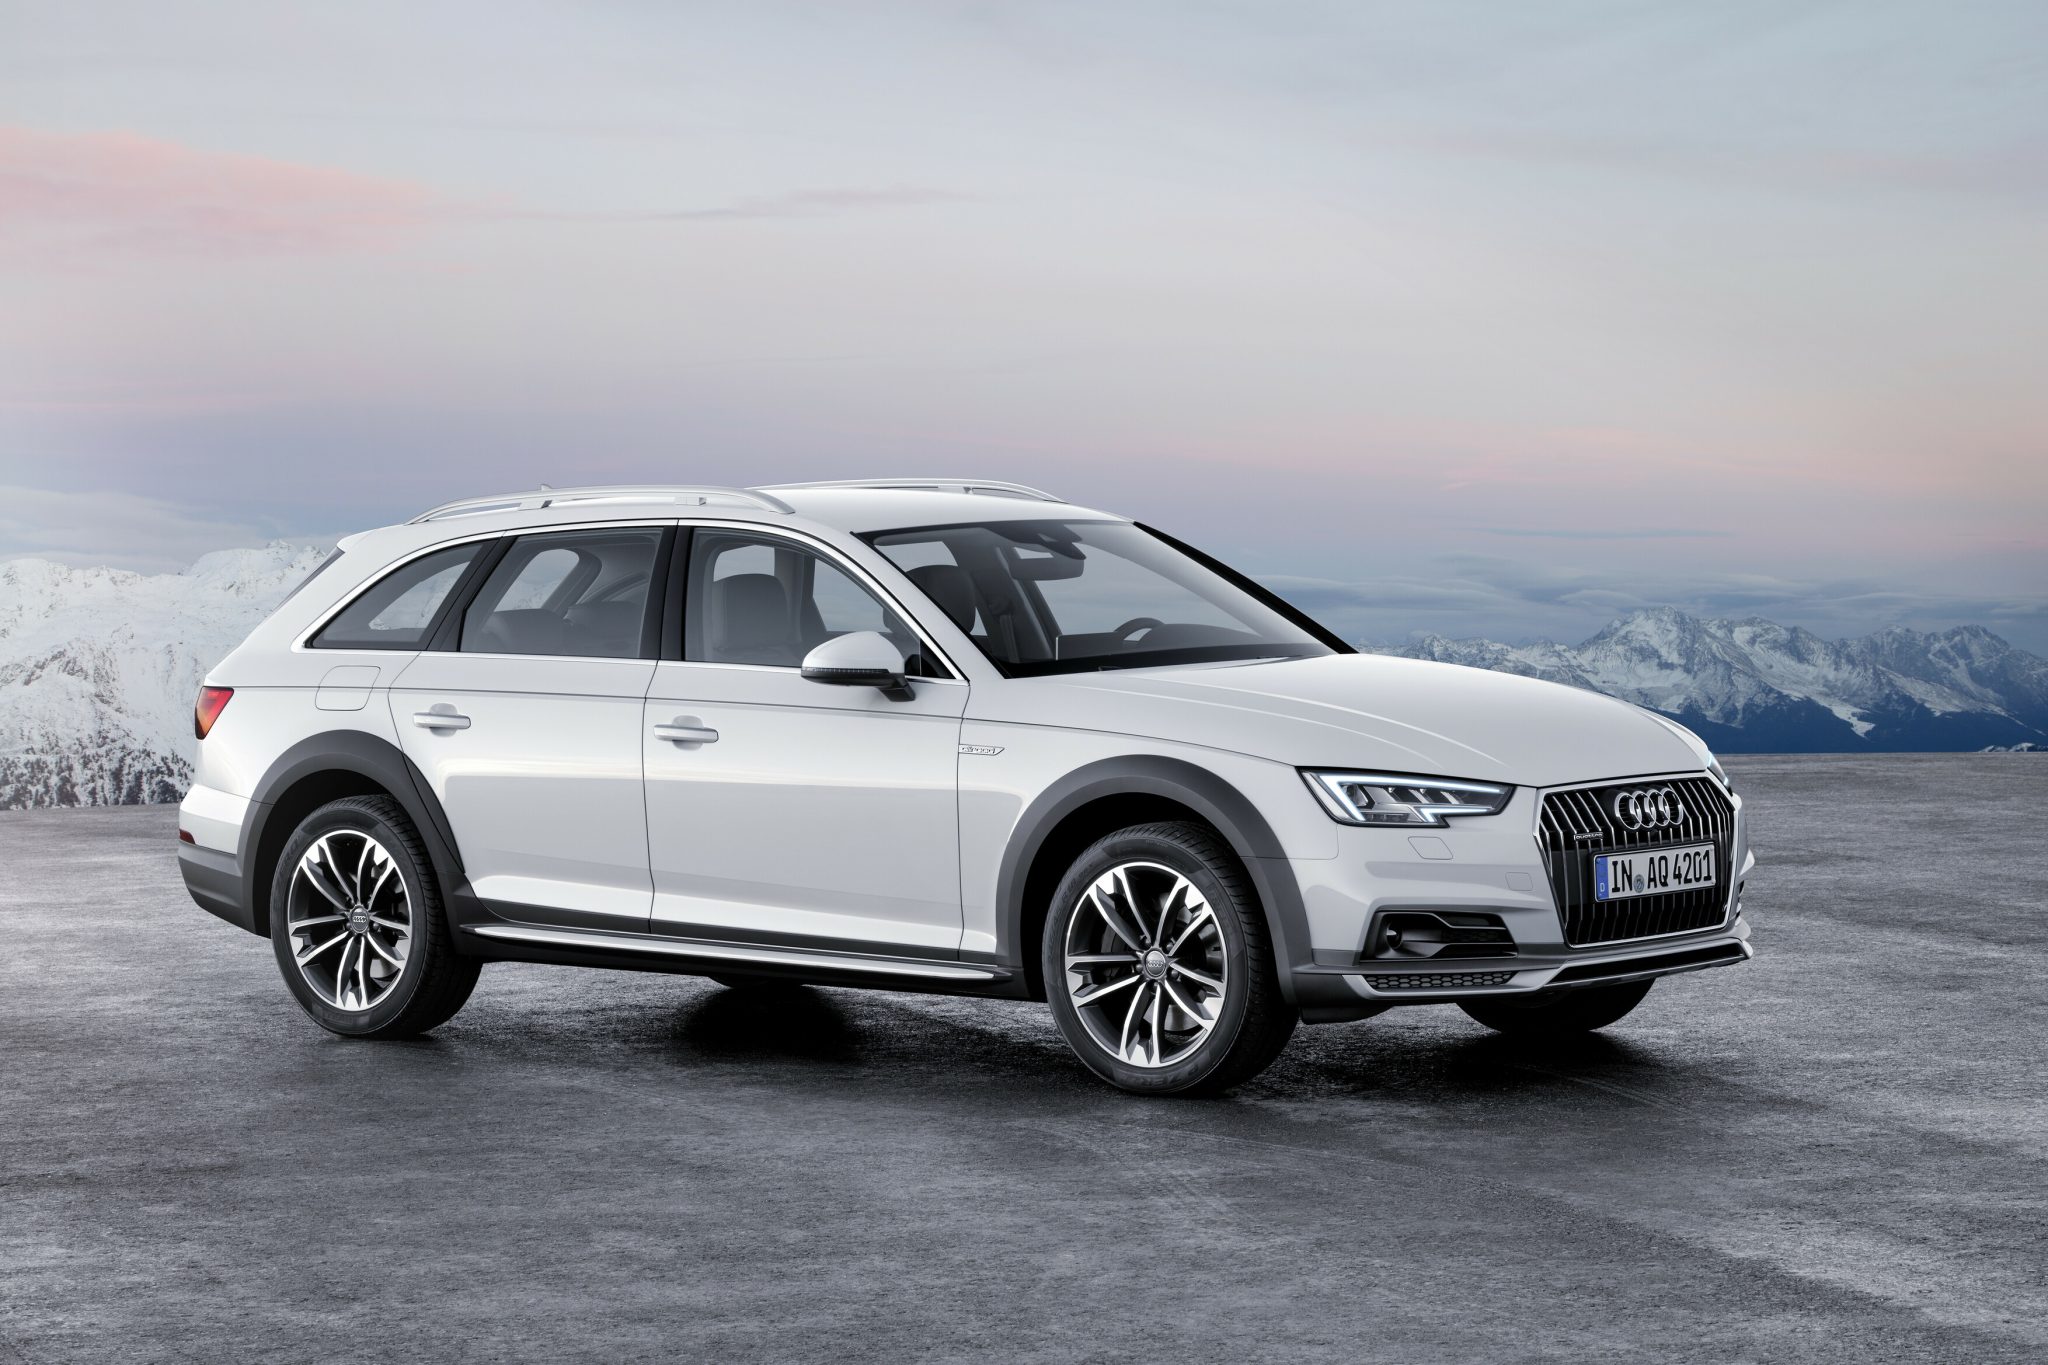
(1491,867)
(1360,990)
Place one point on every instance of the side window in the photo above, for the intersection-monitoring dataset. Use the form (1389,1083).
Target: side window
(538,579)
(579,594)
(936,570)
(397,611)
(844,606)
(757,600)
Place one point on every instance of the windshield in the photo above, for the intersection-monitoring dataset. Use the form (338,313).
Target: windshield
(1043,597)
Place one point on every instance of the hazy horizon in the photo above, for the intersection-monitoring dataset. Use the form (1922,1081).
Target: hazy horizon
(1445,317)
(1311,595)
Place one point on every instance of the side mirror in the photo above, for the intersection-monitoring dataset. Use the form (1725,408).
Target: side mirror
(863,658)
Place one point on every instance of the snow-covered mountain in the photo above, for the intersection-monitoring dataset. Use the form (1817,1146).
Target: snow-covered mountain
(1753,686)
(98,668)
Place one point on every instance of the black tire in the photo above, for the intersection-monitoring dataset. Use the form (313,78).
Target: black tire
(1559,1014)
(434,981)
(1253,1021)
(758,985)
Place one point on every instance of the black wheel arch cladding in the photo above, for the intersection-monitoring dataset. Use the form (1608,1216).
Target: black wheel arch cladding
(323,759)
(1209,797)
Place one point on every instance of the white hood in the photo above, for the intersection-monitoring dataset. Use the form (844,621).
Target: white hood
(1376,711)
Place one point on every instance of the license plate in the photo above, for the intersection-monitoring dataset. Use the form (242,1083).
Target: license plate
(1658,872)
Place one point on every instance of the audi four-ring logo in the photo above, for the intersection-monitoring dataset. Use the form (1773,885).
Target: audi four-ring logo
(1649,808)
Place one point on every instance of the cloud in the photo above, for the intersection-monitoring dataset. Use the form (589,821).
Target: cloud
(1419,596)
(2014,170)
(72,196)
(123,530)
(94,193)
(800,204)
(1637,534)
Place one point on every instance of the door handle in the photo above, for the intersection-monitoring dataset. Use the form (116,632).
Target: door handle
(682,733)
(440,720)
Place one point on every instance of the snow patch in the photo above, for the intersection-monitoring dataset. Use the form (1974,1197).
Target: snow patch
(1733,672)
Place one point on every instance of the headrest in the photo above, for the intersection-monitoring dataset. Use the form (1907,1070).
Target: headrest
(519,632)
(606,628)
(950,587)
(749,611)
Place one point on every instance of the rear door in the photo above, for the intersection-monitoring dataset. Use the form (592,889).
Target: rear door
(526,722)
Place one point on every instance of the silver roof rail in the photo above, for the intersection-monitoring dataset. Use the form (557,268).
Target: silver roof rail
(1000,488)
(688,495)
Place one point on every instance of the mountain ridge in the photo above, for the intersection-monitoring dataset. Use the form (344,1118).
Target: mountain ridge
(98,668)
(1752,685)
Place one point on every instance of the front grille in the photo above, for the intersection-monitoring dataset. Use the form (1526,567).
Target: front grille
(1437,981)
(1579,824)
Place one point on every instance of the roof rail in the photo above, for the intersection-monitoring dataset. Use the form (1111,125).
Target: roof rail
(999,488)
(694,495)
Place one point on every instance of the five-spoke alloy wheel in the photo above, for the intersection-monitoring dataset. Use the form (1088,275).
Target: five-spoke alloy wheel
(356,921)
(1157,963)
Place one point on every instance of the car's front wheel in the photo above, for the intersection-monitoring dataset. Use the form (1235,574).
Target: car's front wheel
(1158,965)
(1559,1014)
(356,922)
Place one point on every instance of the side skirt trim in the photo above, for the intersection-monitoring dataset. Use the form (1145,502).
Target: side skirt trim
(700,950)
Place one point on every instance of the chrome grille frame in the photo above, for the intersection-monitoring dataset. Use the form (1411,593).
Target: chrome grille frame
(1566,813)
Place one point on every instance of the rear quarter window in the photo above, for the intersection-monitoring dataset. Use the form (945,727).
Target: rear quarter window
(398,610)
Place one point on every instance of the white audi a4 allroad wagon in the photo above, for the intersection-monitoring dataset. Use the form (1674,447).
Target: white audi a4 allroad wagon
(928,735)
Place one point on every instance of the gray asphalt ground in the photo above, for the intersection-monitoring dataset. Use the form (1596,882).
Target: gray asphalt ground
(1838,1152)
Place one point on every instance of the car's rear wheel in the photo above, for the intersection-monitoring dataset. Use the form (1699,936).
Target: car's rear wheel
(1158,965)
(1559,1014)
(356,924)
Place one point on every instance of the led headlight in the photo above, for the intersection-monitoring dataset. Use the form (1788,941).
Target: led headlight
(1392,799)
(1720,773)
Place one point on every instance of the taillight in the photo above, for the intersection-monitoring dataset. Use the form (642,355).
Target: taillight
(212,701)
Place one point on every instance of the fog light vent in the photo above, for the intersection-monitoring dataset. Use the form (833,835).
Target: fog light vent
(1418,935)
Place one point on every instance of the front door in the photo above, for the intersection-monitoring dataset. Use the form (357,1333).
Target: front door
(529,728)
(786,811)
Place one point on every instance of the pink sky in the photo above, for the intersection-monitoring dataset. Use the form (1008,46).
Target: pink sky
(1489,320)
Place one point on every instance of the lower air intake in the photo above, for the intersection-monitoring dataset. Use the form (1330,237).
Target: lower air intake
(1437,981)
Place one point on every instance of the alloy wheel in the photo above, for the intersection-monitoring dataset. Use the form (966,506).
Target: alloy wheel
(350,920)
(1145,965)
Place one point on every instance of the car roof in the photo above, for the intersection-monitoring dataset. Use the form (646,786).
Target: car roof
(865,509)
(849,506)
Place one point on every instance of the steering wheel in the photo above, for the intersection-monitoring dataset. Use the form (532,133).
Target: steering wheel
(1131,627)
